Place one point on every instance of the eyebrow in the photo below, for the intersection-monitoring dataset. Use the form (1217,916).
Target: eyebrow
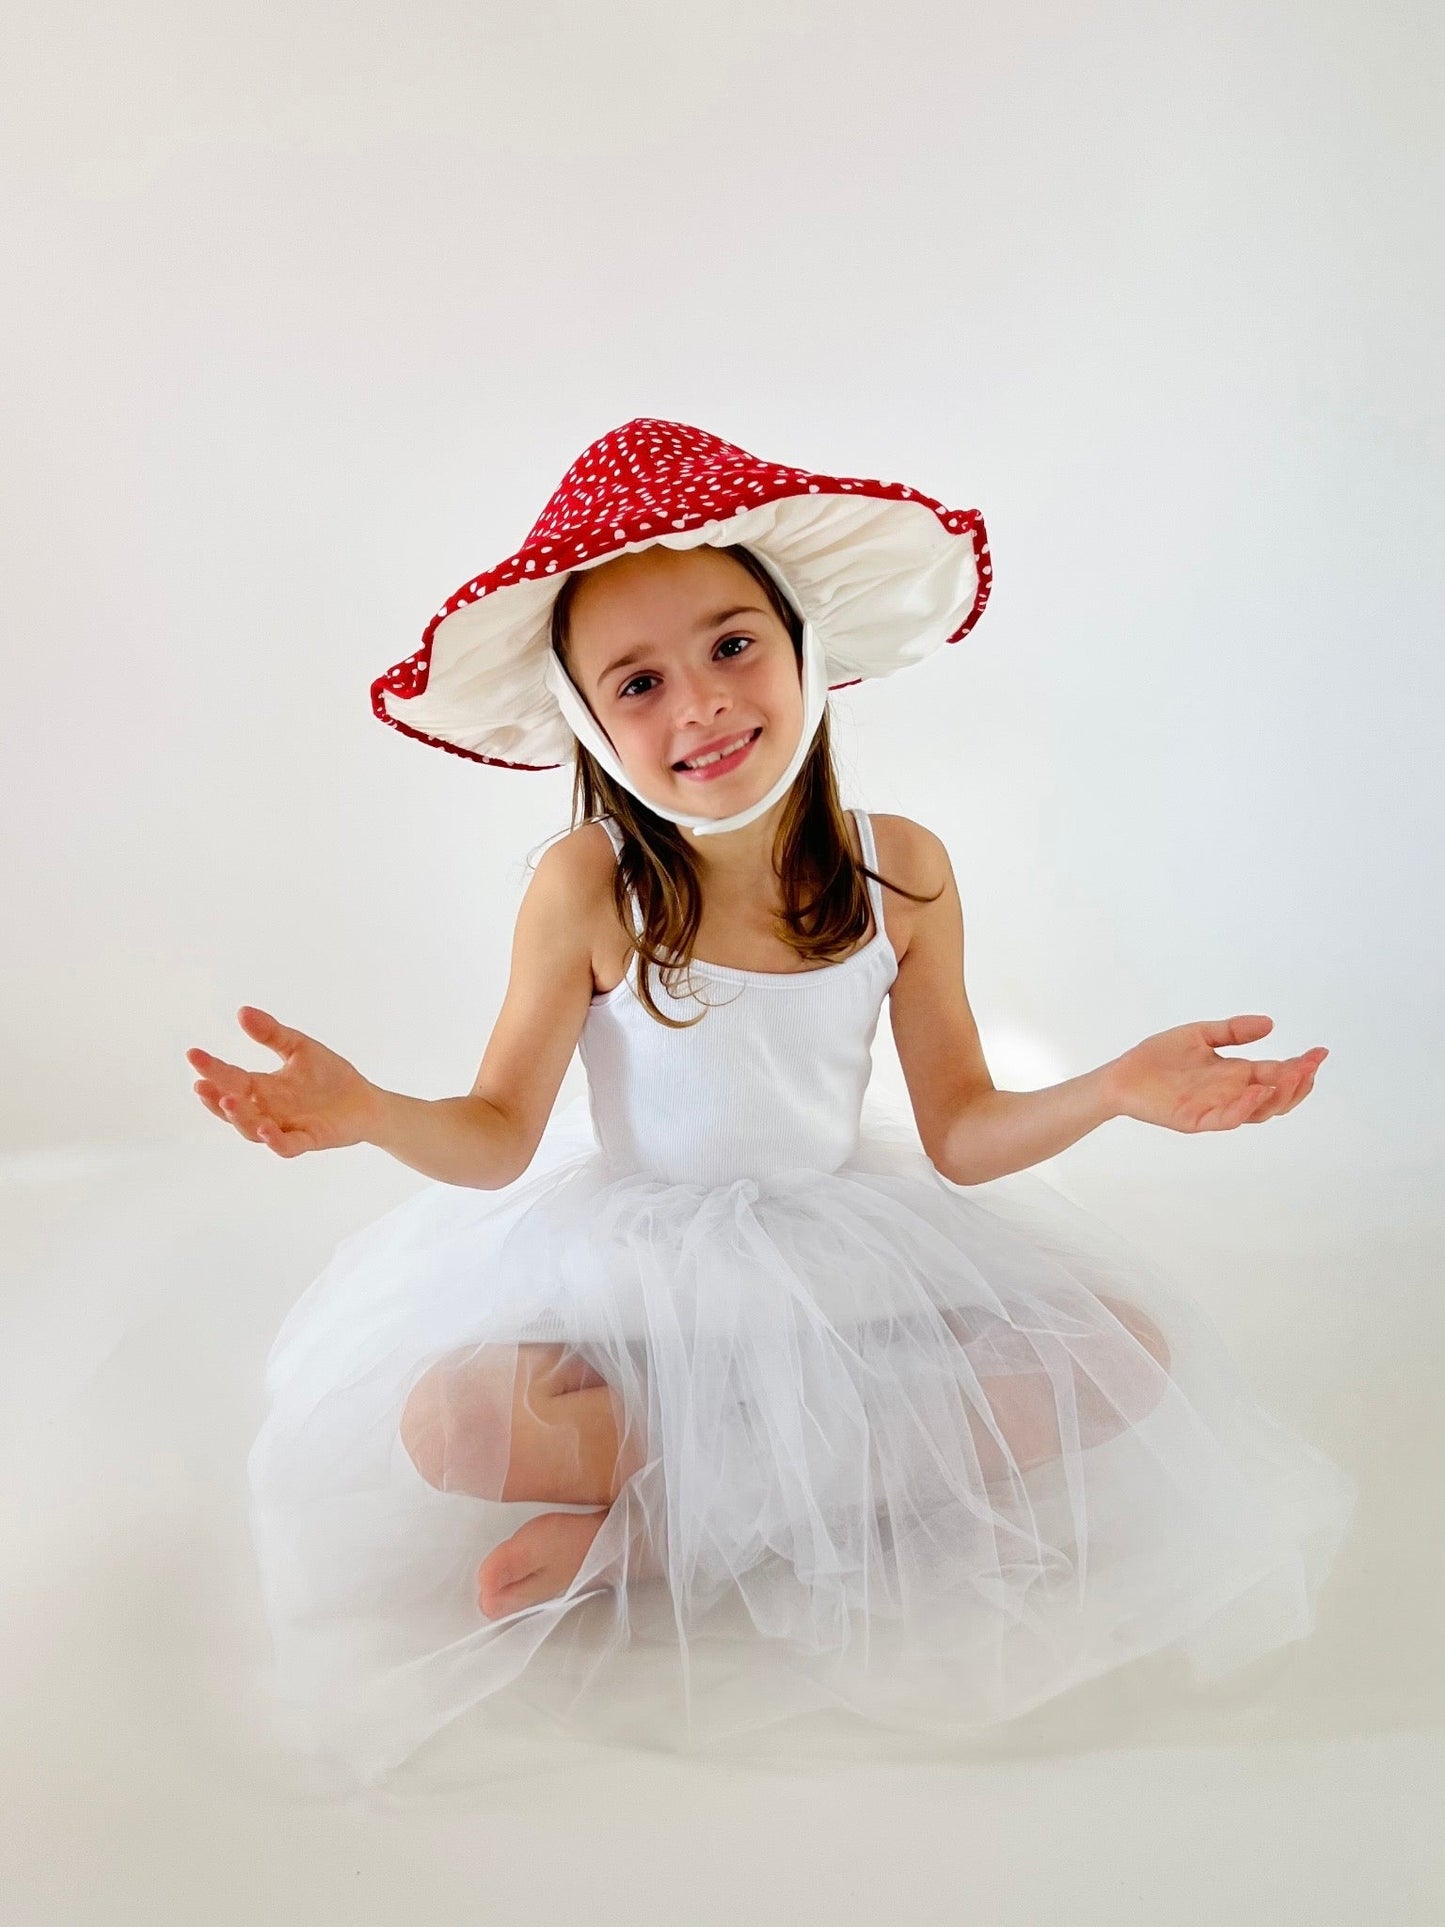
(704,622)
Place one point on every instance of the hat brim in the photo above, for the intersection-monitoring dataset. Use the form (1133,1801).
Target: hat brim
(885,580)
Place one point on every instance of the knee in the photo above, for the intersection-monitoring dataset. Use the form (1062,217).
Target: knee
(1142,1329)
(443,1421)
(423,1428)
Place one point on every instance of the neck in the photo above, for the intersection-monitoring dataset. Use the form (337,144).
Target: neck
(734,856)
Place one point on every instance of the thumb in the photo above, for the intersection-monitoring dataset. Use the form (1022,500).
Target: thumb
(1236,1030)
(265,1029)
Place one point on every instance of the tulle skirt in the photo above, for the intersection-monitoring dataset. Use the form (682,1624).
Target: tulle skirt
(925,1453)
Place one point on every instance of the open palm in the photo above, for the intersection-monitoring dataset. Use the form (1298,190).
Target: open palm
(316,1101)
(1177,1078)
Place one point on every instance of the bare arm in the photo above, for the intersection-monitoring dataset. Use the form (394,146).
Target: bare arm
(973,1132)
(319,1101)
(970,1130)
(488,1138)
(1003,1131)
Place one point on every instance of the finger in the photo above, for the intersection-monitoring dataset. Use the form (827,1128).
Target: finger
(1235,1030)
(1262,1070)
(258,1127)
(1257,1099)
(211,1098)
(1307,1062)
(1286,1076)
(245,1117)
(1282,1095)
(228,1077)
(1237,1110)
(1283,1076)
(1239,1103)
(261,1025)
(1302,1075)
(1307,1084)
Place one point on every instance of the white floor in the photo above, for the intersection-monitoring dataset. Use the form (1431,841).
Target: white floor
(140,1781)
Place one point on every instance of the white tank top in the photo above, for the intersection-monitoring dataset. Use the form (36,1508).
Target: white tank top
(771,1079)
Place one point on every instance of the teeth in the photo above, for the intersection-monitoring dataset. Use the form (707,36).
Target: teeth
(701,762)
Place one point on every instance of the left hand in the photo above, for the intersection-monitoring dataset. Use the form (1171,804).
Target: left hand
(1177,1079)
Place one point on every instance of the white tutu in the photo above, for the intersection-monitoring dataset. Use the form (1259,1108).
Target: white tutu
(870,1440)
(930,1453)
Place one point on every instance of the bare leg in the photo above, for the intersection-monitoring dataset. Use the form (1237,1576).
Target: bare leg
(521,1422)
(1024,1405)
(536,1423)
(526,1423)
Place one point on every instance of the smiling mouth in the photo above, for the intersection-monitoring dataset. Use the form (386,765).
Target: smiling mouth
(719,761)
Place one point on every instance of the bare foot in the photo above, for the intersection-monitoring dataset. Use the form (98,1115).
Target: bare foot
(539,1561)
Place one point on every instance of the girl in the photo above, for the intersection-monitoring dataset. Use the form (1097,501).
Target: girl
(804,1408)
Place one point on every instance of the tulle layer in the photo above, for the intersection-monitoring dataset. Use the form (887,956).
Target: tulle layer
(932,1454)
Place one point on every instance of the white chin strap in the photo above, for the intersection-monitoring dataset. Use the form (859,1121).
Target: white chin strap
(585,728)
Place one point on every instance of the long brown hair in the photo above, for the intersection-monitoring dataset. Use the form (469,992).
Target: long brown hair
(825,898)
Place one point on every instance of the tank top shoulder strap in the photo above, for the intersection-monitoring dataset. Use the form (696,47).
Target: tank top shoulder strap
(870,857)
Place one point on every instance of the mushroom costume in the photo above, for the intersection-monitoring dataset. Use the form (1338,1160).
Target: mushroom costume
(881,574)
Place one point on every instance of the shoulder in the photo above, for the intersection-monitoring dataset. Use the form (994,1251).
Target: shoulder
(572,879)
(915,863)
(910,855)
(579,858)
(573,875)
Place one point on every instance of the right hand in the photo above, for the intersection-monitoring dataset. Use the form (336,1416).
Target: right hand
(316,1101)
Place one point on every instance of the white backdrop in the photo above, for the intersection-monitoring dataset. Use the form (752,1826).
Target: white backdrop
(309,311)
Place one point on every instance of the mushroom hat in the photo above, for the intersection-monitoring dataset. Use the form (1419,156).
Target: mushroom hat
(880,574)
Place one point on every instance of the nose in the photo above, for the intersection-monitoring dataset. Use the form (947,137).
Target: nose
(701,697)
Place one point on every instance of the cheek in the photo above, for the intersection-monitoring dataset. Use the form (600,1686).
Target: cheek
(638,735)
(772,683)
(787,690)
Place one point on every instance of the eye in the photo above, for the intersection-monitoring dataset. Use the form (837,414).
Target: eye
(628,688)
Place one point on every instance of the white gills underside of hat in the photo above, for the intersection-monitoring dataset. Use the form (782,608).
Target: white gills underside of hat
(883,584)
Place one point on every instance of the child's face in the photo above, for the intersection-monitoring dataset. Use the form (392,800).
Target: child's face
(707,661)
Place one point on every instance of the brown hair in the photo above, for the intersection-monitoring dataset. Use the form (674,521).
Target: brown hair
(825,898)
